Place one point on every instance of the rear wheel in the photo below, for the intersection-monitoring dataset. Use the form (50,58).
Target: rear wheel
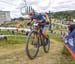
(31,50)
(46,45)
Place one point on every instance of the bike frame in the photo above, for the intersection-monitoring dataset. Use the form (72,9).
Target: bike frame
(34,28)
(41,40)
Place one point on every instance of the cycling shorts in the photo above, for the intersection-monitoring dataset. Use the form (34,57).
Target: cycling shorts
(43,28)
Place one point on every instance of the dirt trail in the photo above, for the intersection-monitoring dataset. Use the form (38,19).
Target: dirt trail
(18,55)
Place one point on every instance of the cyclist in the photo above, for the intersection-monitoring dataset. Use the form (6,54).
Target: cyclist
(71,26)
(42,19)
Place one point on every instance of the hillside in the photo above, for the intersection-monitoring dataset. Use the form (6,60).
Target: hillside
(70,14)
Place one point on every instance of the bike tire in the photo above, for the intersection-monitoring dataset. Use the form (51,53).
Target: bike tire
(27,46)
(46,47)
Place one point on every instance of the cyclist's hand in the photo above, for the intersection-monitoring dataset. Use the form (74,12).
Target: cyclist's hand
(29,23)
(35,24)
(47,22)
(39,24)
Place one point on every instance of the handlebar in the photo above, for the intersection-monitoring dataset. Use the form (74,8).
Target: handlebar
(40,24)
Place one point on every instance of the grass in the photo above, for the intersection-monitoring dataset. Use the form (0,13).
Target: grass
(66,56)
(55,37)
(17,39)
(65,52)
(12,41)
(9,32)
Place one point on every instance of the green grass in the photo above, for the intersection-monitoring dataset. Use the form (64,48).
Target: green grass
(9,32)
(66,57)
(65,52)
(18,39)
(55,37)
(5,32)
(11,40)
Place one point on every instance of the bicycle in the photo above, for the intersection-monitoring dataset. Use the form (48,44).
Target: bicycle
(31,50)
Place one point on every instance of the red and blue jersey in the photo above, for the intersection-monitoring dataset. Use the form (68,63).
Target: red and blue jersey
(39,17)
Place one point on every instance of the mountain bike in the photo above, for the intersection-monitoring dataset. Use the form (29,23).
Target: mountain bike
(33,37)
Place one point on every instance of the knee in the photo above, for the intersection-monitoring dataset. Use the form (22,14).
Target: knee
(43,32)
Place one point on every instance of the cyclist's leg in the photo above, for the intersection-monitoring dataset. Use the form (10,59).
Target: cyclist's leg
(44,32)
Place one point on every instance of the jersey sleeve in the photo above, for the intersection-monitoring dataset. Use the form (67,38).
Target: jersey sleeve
(35,16)
(43,14)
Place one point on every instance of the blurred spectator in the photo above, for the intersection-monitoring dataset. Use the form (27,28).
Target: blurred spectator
(71,25)
(3,37)
(13,32)
(71,22)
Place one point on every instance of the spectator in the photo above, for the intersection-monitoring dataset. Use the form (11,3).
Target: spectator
(71,25)
(13,32)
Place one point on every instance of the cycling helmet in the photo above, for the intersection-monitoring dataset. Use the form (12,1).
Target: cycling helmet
(74,20)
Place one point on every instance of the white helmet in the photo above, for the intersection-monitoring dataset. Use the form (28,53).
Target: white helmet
(73,20)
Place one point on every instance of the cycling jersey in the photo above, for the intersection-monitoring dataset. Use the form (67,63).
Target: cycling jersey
(39,17)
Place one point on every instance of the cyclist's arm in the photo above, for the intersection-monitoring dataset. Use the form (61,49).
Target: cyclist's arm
(29,23)
(47,17)
(31,19)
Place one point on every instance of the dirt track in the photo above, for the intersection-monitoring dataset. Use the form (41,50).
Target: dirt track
(17,55)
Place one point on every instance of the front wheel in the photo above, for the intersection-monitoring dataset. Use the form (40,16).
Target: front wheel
(31,49)
(46,45)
